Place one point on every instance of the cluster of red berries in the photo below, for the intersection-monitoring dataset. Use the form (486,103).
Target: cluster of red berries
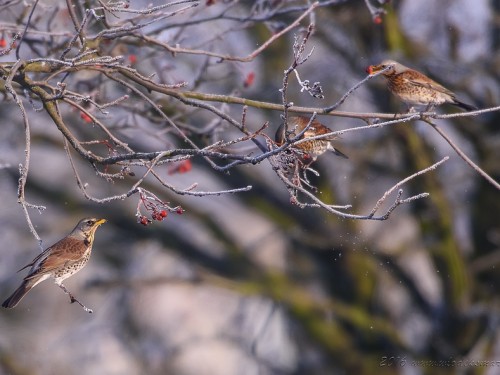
(157,215)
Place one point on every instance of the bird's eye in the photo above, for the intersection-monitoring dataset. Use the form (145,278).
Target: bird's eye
(89,222)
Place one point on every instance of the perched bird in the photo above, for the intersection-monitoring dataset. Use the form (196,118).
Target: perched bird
(415,88)
(309,150)
(60,261)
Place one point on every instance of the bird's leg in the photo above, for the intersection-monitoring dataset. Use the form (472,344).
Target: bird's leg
(72,298)
(430,107)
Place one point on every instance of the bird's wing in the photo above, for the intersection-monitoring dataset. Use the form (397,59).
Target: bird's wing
(418,79)
(65,251)
(316,130)
(40,258)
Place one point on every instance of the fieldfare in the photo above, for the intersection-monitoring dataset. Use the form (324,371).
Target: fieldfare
(60,261)
(307,150)
(415,88)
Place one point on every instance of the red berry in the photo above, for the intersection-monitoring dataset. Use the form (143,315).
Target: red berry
(179,211)
(185,166)
(132,59)
(249,80)
(163,213)
(377,20)
(3,43)
(143,220)
(85,117)
(182,167)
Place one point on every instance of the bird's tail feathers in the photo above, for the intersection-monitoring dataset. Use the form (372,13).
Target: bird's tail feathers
(467,107)
(18,294)
(339,153)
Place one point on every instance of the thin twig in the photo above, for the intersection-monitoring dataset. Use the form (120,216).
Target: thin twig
(223,57)
(24,168)
(462,154)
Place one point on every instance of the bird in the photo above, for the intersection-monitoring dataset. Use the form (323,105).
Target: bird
(415,88)
(308,150)
(59,261)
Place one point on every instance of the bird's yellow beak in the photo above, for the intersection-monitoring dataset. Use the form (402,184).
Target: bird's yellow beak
(100,221)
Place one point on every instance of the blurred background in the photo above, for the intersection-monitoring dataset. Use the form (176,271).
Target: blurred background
(247,283)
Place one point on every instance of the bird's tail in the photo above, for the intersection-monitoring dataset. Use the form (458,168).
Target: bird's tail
(18,294)
(338,153)
(467,107)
